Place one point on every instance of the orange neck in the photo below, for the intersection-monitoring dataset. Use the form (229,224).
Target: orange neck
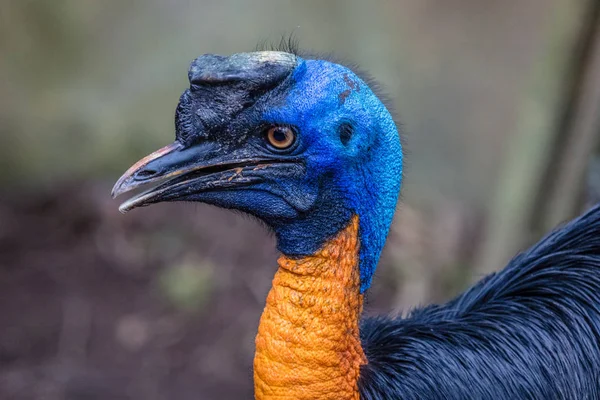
(308,345)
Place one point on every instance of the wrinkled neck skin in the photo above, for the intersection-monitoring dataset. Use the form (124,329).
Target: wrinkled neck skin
(308,344)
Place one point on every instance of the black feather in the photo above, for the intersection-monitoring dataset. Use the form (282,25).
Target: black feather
(530,331)
(287,44)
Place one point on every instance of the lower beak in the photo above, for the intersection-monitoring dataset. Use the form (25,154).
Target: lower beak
(178,172)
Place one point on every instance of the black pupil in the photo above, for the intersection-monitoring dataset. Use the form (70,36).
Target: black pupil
(280,135)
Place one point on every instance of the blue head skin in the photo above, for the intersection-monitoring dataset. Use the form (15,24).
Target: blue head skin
(359,173)
(346,158)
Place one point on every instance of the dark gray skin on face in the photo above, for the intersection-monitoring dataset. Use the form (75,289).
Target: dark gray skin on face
(222,87)
(219,142)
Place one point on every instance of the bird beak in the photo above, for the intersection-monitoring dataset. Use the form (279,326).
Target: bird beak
(178,172)
(134,178)
(187,172)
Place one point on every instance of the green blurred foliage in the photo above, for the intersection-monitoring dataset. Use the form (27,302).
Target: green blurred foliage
(187,286)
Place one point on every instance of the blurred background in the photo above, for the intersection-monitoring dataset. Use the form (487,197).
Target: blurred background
(499,101)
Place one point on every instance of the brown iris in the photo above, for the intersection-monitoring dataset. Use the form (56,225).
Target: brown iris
(281,137)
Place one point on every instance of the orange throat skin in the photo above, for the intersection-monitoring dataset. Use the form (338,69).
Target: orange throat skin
(308,344)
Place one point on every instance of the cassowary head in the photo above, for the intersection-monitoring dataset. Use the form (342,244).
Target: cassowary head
(304,145)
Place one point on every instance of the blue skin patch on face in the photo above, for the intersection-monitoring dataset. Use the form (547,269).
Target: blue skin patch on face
(353,156)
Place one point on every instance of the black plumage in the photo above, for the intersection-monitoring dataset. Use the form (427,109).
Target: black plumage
(529,331)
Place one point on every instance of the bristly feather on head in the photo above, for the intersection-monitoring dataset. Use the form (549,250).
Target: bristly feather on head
(290,44)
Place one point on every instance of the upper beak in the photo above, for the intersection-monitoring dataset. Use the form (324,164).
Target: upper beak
(180,171)
(140,173)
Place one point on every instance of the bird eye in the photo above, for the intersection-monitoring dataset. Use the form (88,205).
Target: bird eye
(281,137)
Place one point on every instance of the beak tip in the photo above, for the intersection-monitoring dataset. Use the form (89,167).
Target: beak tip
(128,182)
(116,191)
(120,187)
(125,207)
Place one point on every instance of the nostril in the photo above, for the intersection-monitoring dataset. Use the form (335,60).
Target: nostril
(146,173)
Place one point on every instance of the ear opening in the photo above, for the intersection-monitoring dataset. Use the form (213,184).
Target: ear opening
(345,132)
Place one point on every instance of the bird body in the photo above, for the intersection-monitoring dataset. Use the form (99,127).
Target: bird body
(528,331)
(309,148)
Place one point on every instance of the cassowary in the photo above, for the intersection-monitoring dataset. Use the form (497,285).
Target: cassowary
(306,146)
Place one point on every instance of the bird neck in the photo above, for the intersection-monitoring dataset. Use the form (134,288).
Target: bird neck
(308,344)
